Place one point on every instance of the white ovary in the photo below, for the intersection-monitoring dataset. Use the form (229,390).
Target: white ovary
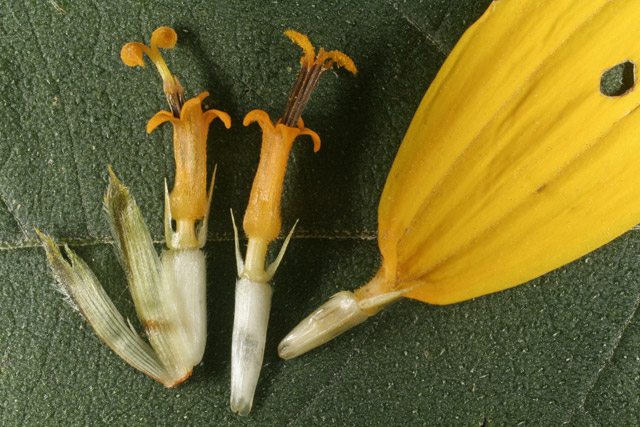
(334,317)
(184,276)
(253,302)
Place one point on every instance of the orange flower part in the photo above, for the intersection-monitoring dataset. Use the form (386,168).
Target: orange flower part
(164,38)
(262,218)
(311,68)
(188,199)
(325,59)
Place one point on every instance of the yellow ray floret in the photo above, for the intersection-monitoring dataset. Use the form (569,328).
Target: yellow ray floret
(515,162)
(502,179)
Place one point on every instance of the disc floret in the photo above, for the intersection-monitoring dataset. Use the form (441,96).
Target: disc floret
(262,221)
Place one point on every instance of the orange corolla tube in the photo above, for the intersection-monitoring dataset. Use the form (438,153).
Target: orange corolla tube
(188,201)
(515,162)
(262,217)
(262,221)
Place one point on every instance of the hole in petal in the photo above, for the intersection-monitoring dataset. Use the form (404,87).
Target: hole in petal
(619,79)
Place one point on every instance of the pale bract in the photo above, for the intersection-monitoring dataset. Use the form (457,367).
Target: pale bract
(173,315)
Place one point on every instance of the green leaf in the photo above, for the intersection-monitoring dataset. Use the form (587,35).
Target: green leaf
(561,349)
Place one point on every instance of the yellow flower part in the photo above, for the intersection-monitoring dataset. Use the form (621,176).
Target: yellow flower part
(188,200)
(535,166)
(325,59)
(515,162)
(164,38)
(262,220)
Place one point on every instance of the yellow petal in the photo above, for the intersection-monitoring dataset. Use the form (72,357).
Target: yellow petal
(515,163)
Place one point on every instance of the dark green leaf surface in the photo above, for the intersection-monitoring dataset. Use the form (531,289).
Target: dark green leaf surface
(562,349)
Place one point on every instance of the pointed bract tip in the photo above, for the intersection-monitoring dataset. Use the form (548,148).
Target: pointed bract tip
(50,246)
(115,187)
(112,176)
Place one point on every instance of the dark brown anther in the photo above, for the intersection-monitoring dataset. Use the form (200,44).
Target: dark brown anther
(176,101)
(306,82)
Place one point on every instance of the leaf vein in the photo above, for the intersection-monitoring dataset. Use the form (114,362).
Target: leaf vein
(609,357)
(54,82)
(15,217)
(426,34)
(105,240)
